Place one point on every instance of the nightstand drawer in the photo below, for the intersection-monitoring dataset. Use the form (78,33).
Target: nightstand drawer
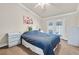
(14,36)
(13,39)
(14,43)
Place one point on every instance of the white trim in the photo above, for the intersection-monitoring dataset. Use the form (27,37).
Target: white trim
(62,15)
(20,4)
(70,13)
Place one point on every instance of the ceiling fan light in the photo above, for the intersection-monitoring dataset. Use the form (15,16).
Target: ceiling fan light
(42,5)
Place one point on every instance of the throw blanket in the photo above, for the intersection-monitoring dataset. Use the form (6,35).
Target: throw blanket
(47,42)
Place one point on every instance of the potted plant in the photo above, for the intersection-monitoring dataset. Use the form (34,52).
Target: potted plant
(29,28)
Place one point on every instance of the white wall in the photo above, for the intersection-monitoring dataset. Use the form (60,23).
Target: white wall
(11,20)
(78,19)
(70,21)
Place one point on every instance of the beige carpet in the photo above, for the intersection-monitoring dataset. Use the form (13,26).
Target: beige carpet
(64,49)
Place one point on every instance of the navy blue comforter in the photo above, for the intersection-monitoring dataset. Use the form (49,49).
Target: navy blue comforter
(44,41)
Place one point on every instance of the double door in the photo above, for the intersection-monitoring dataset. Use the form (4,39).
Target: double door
(56,26)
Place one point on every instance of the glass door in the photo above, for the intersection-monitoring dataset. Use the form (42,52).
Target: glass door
(51,27)
(56,26)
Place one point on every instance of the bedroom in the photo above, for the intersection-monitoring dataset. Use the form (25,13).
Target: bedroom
(57,18)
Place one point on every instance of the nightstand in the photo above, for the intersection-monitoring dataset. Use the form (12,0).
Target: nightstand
(14,39)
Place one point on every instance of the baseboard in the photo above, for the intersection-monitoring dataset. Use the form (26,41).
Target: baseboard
(2,45)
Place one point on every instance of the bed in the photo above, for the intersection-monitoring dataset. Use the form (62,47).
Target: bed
(40,43)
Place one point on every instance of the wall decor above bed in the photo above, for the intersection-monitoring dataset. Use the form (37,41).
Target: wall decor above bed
(27,20)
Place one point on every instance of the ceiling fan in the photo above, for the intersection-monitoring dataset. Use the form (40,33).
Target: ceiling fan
(42,5)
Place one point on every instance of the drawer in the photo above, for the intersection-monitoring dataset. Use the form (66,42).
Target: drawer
(13,39)
(12,34)
(14,43)
(18,36)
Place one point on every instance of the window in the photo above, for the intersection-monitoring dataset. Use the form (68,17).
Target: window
(59,23)
(50,23)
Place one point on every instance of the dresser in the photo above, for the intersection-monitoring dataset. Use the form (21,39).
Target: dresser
(14,39)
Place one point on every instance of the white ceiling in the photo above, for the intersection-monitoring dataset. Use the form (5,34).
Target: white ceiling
(52,9)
